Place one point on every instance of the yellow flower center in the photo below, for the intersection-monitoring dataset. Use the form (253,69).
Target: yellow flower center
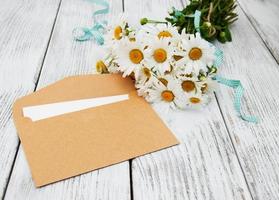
(188,86)
(136,56)
(146,72)
(118,32)
(164,81)
(164,34)
(101,67)
(160,55)
(195,53)
(195,100)
(167,95)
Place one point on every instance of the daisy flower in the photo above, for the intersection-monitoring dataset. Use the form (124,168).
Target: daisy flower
(129,56)
(159,54)
(168,96)
(207,86)
(117,29)
(145,79)
(102,60)
(143,86)
(144,74)
(160,31)
(196,54)
(188,83)
(196,100)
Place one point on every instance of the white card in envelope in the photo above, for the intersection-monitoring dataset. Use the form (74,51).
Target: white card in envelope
(45,111)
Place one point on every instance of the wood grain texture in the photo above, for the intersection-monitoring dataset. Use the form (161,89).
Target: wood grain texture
(25,31)
(248,60)
(264,16)
(204,165)
(67,57)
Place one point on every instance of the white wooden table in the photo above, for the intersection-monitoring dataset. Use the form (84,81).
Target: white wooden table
(220,156)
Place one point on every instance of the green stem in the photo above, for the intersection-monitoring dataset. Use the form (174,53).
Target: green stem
(150,21)
(216,5)
(156,22)
(210,11)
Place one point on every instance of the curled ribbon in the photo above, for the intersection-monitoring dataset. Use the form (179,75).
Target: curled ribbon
(236,84)
(96,31)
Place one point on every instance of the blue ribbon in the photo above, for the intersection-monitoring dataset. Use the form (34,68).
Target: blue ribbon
(237,86)
(197,19)
(196,16)
(96,31)
(218,57)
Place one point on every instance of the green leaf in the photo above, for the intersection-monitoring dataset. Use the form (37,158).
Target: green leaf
(220,16)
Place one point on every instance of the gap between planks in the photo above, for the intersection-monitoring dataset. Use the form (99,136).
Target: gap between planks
(257,31)
(131,160)
(234,147)
(222,114)
(36,84)
(225,123)
(101,184)
(228,133)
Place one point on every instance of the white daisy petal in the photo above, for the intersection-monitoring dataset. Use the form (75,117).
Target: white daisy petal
(196,54)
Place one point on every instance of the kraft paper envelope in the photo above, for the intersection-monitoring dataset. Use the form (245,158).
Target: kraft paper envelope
(74,143)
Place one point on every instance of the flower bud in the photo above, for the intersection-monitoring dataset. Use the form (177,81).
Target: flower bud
(206,24)
(171,10)
(222,37)
(143,21)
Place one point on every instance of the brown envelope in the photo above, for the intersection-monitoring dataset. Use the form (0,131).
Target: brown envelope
(74,143)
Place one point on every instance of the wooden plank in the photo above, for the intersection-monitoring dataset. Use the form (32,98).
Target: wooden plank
(247,59)
(204,165)
(25,31)
(264,16)
(67,57)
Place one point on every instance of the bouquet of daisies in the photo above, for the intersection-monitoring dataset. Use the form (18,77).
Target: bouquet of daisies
(168,68)
(172,63)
